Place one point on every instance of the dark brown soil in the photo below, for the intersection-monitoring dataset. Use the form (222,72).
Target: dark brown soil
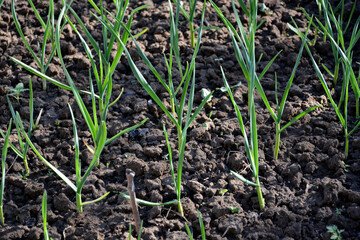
(307,189)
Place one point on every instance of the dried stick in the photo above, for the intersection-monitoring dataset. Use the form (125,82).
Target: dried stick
(130,174)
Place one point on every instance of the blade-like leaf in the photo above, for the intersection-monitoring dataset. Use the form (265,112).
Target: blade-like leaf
(152,204)
(129,129)
(96,157)
(96,200)
(3,162)
(299,116)
(59,173)
(244,179)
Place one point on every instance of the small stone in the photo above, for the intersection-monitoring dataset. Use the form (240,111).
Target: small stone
(334,129)
(310,167)
(62,203)
(34,190)
(135,148)
(195,186)
(354,212)
(157,169)
(305,146)
(177,235)
(35,233)
(233,226)
(140,106)
(86,156)
(331,190)
(198,198)
(153,151)
(94,235)
(152,184)
(137,165)
(154,212)
(156,196)
(335,162)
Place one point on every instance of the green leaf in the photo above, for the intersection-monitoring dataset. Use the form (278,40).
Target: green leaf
(129,129)
(152,204)
(234,209)
(96,200)
(98,150)
(244,179)
(189,232)
(59,173)
(3,162)
(202,227)
(44,215)
(300,116)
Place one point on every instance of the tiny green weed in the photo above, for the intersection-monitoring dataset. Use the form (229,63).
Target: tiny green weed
(19,88)
(335,232)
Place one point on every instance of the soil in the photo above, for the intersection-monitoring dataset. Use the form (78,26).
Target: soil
(307,189)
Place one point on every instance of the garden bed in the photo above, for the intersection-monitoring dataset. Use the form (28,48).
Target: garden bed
(309,187)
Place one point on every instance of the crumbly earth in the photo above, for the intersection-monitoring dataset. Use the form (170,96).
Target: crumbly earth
(307,189)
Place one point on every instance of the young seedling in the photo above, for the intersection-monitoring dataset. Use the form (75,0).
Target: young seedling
(335,232)
(139,234)
(19,88)
(24,147)
(252,146)
(189,16)
(337,21)
(44,216)
(103,75)
(41,59)
(349,78)
(202,228)
(280,107)
(80,179)
(3,172)
(176,114)
(234,209)
(244,46)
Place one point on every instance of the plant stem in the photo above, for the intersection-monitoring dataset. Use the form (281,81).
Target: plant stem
(44,84)
(179,173)
(357,108)
(79,202)
(27,170)
(336,73)
(192,34)
(277,141)
(180,206)
(346,144)
(259,193)
(2,216)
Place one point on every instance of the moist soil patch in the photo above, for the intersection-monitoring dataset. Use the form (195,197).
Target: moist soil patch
(307,189)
